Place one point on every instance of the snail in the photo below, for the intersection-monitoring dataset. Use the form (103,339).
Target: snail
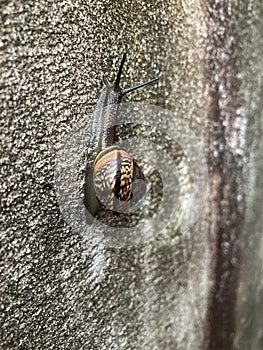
(114,180)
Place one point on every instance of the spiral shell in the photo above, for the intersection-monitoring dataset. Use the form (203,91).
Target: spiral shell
(116,177)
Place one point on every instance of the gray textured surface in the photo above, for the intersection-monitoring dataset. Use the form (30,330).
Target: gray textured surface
(58,292)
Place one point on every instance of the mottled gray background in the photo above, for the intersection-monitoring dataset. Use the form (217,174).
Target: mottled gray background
(200,290)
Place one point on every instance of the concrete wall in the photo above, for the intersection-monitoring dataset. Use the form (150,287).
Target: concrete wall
(196,290)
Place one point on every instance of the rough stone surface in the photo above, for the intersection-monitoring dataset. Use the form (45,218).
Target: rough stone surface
(59,292)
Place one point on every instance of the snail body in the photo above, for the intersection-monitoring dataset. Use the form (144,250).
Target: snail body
(114,179)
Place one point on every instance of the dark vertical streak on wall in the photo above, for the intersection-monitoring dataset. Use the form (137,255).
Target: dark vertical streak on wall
(225,171)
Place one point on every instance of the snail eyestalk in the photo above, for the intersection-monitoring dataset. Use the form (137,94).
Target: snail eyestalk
(138,86)
(116,84)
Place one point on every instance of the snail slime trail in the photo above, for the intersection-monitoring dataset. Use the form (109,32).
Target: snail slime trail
(111,179)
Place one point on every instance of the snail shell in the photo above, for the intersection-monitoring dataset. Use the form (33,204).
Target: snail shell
(118,180)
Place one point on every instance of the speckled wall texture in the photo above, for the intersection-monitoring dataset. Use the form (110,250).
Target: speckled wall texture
(199,290)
